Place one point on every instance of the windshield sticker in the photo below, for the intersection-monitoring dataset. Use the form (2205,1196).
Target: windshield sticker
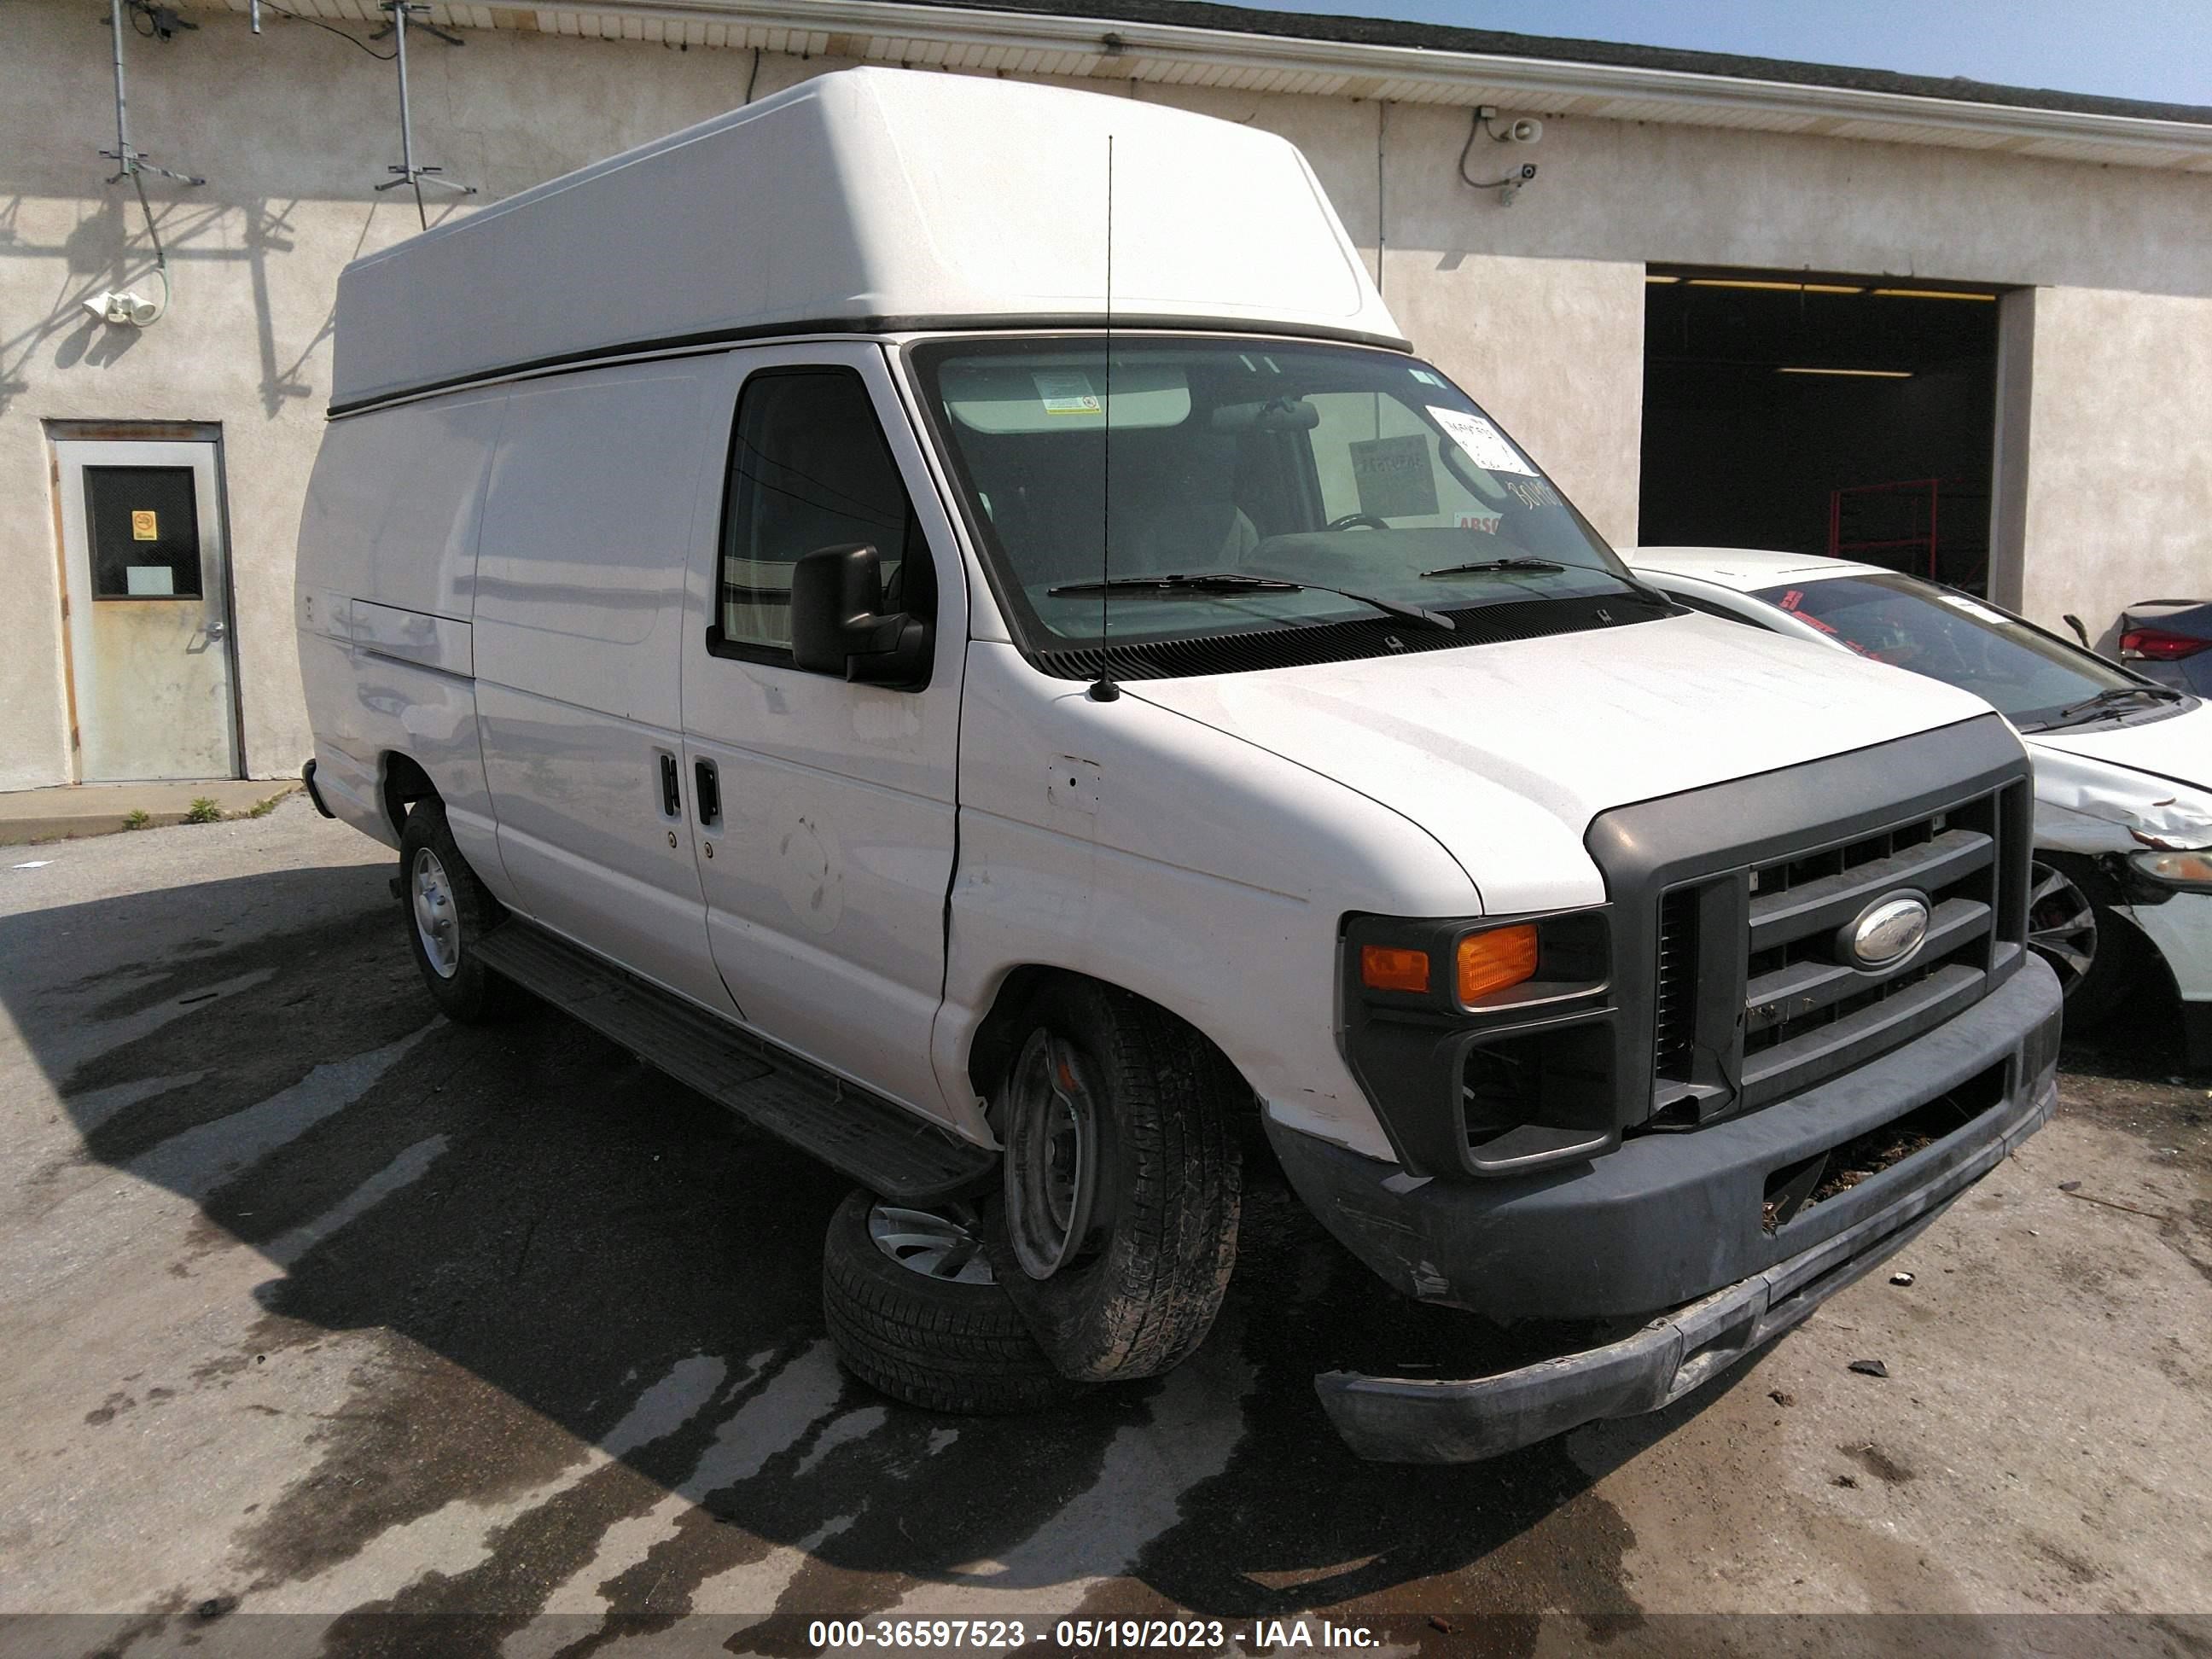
(1394,476)
(1486,522)
(1534,493)
(1482,443)
(1065,394)
(1979,613)
(1426,378)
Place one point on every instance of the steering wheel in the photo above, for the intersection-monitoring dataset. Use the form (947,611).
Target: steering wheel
(1358,521)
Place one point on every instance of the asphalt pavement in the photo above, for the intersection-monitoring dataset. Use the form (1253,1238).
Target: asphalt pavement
(321,1309)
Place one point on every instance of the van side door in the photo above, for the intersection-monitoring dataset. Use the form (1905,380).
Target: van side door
(827,809)
(589,532)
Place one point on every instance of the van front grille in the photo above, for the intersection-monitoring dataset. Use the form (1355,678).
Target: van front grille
(1675,997)
(1780,929)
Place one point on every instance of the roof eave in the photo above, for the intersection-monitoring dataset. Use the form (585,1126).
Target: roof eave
(974,37)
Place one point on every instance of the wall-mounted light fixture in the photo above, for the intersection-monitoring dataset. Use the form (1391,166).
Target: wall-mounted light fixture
(1855,373)
(1770,287)
(1525,130)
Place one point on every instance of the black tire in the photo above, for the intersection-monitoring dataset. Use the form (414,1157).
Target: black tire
(2098,956)
(938,1343)
(463,986)
(1137,1295)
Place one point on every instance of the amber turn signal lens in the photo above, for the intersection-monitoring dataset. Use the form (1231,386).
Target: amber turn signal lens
(1385,968)
(1490,962)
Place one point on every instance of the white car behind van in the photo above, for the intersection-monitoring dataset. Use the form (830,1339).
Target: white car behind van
(2120,889)
(944,613)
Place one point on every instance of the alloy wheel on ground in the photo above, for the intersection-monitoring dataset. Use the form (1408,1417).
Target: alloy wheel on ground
(940,1244)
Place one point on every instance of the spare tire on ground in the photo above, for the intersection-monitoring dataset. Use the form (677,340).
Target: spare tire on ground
(917,1312)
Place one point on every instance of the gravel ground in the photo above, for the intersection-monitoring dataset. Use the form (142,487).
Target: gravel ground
(318,1305)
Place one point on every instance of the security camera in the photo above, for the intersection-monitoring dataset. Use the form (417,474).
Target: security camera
(121,305)
(1525,132)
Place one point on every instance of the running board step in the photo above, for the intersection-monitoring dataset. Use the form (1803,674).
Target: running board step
(883,1146)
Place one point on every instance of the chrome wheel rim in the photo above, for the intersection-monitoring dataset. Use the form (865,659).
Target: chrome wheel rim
(2062,926)
(935,1244)
(437,922)
(1052,1156)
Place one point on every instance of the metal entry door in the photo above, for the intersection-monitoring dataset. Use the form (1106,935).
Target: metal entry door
(150,656)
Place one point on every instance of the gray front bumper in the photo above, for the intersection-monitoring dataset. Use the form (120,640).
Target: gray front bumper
(1622,1219)
(1417,1421)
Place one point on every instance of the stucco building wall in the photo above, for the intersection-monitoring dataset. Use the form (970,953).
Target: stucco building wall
(2119,453)
(1537,307)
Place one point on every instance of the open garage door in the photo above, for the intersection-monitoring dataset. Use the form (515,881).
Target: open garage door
(1851,416)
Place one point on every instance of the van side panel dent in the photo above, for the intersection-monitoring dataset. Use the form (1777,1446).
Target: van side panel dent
(439,642)
(1232,960)
(1210,876)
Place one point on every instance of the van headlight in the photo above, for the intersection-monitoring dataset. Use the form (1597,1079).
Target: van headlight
(2190,870)
(1487,1045)
(1475,967)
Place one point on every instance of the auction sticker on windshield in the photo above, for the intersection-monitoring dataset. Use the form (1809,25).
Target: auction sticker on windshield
(1484,444)
(1065,394)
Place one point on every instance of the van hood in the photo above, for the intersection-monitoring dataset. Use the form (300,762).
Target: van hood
(1504,752)
(2116,788)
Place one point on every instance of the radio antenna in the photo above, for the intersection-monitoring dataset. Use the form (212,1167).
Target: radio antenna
(1103,690)
(412,174)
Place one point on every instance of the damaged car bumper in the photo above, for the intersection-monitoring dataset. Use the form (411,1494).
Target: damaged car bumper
(1444,1241)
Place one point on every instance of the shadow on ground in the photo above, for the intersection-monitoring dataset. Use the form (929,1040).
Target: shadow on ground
(556,1244)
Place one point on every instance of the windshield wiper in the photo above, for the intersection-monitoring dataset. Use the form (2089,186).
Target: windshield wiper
(1232,584)
(1641,590)
(1477,565)
(2114,695)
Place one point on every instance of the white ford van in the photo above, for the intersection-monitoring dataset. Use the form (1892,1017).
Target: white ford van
(943,613)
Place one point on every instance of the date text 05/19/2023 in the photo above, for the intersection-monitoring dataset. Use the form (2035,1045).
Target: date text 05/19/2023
(1128,1635)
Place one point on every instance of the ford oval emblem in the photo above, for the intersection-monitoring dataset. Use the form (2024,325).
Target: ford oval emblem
(1887,931)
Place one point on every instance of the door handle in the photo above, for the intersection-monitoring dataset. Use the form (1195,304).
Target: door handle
(671,800)
(708,782)
(216,632)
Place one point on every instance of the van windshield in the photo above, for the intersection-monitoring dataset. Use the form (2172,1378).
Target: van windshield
(1311,483)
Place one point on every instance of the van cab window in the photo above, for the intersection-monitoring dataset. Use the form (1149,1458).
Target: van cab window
(809,468)
(1302,474)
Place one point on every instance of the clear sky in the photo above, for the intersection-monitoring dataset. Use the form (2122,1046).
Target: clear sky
(2160,50)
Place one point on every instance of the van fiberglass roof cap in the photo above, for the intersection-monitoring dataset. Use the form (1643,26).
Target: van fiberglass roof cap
(869,199)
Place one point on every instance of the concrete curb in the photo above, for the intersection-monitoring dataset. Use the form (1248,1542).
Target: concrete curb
(73,811)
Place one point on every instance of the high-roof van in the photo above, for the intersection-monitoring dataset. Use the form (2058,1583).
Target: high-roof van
(944,613)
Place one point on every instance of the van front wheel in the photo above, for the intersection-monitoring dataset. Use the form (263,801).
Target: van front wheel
(447,910)
(1121,1182)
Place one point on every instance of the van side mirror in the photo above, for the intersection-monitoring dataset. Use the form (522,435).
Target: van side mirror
(838,624)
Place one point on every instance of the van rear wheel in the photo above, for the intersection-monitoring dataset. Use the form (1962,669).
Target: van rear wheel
(1121,1182)
(448,910)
